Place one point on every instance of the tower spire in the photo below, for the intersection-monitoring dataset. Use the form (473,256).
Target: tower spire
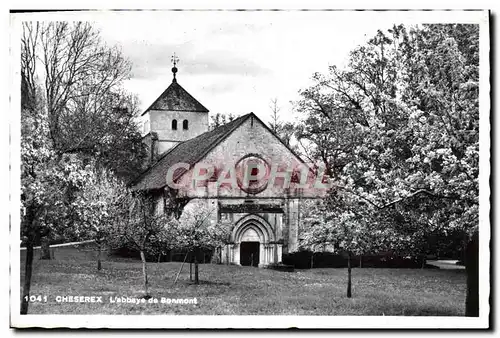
(175,59)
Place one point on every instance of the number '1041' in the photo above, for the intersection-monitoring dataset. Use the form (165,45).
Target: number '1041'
(34,298)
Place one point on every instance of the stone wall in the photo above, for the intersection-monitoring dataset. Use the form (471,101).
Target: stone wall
(161,123)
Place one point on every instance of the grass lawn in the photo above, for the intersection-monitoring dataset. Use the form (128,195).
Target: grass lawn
(236,290)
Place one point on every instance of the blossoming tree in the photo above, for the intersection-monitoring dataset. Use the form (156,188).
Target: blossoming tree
(197,229)
(399,125)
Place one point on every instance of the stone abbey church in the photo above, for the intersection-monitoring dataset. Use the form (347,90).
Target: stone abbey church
(265,218)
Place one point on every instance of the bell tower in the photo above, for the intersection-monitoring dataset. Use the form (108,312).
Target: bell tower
(174,117)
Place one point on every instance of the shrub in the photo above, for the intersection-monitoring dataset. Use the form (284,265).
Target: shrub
(302,260)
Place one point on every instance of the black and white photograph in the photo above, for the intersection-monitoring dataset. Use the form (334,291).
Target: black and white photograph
(258,168)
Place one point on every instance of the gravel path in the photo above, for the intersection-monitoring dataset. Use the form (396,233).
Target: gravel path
(446,264)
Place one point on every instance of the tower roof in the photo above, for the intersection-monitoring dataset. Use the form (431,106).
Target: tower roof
(176,98)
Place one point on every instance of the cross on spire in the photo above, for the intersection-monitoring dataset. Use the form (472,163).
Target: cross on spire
(174,59)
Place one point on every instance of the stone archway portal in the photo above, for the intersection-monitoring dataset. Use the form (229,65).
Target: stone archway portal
(254,242)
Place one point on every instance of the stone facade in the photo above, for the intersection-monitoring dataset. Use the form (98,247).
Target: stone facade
(264,221)
(269,218)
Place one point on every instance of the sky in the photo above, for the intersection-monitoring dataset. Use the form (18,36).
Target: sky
(235,62)
(238,61)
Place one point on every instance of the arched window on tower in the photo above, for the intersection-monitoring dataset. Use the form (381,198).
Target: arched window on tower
(174,124)
(185,125)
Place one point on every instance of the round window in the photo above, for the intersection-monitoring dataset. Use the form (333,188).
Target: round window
(252,174)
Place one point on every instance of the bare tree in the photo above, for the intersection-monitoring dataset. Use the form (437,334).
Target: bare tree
(275,118)
(284,130)
(81,81)
(81,75)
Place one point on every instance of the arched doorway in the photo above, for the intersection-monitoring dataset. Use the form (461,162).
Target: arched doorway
(254,242)
(250,247)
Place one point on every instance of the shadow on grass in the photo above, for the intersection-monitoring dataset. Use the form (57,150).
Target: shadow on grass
(207,282)
(201,283)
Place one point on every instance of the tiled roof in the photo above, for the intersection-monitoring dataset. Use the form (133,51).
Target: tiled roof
(190,151)
(176,98)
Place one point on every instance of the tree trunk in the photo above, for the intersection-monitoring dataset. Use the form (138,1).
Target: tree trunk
(424,258)
(28,269)
(191,268)
(180,270)
(99,266)
(472,270)
(196,279)
(361,261)
(45,249)
(349,280)
(312,260)
(144,273)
